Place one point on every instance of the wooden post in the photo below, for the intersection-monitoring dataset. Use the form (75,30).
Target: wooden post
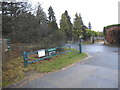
(3,52)
(25,59)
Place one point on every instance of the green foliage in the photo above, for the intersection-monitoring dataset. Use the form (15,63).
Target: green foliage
(53,25)
(10,12)
(89,26)
(51,14)
(88,33)
(100,34)
(24,27)
(77,27)
(93,33)
(55,38)
(52,19)
(112,25)
(66,25)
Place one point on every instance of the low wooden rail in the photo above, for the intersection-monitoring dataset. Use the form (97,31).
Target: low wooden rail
(47,53)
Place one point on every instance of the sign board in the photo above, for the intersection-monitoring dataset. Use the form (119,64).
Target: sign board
(41,53)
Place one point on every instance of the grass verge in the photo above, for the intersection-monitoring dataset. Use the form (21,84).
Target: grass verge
(15,70)
(86,42)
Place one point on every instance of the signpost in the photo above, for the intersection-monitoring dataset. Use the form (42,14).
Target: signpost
(41,53)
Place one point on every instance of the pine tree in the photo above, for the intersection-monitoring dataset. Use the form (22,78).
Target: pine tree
(77,27)
(69,24)
(81,21)
(89,26)
(63,23)
(51,14)
(66,25)
(42,21)
(52,19)
(41,16)
(83,27)
(68,17)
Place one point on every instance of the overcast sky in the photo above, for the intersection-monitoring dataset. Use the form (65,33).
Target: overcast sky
(99,12)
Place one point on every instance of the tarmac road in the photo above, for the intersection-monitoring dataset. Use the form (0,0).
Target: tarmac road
(98,71)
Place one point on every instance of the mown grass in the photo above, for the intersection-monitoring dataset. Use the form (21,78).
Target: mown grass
(15,70)
(83,43)
(59,62)
(89,42)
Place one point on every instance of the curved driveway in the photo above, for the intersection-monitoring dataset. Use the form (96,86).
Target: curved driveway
(98,71)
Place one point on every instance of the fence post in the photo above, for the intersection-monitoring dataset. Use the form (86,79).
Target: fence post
(69,47)
(80,48)
(25,59)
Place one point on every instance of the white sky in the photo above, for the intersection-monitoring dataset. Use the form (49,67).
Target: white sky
(99,12)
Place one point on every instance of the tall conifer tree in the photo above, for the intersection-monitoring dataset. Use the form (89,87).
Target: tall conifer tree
(77,27)
(52,19)
(66,25)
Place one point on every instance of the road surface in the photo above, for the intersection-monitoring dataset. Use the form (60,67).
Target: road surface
(98,71)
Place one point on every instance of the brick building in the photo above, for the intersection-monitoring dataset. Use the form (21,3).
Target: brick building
(112,34)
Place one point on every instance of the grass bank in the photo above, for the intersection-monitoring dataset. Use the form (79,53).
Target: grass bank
(86,42)
(89,42)
(15,70)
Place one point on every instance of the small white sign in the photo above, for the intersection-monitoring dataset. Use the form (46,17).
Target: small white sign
(41,53)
